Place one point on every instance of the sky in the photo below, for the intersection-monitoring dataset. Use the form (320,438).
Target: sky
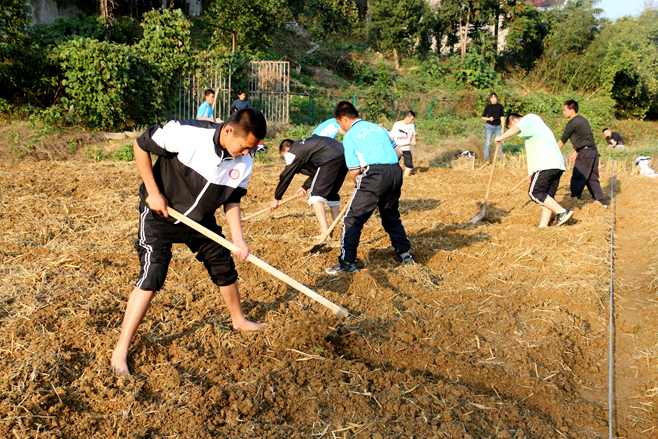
(614,9)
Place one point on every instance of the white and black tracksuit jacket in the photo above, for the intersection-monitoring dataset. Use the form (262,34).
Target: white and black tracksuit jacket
(193,172)
(307,156)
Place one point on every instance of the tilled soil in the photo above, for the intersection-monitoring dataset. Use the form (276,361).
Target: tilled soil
(497,332)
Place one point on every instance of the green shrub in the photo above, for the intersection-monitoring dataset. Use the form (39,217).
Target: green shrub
(97,81)
(125,153)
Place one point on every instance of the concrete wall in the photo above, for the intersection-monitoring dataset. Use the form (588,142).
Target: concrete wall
(45,11)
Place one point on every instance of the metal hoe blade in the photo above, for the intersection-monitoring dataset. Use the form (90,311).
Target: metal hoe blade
(480,215)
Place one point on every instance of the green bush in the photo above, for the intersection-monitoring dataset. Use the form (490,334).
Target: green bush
(125,153)
(98,80)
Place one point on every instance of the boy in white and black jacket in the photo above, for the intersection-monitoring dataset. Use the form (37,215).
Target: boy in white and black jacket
(322,159)
(201,166)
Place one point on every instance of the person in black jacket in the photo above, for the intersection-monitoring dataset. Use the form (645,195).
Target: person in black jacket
(322,159)
(613,138)
(201,166)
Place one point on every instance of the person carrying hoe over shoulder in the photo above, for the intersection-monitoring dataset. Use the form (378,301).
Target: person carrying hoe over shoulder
(201,166)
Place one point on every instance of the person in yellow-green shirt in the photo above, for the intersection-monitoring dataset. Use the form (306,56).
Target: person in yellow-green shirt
(545,164)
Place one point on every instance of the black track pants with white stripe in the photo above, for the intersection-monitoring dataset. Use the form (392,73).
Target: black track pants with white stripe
(154,240)
(379,187)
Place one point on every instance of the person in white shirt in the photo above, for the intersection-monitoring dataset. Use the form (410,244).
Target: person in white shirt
(403,134)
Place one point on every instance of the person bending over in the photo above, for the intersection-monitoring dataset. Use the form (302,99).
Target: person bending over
(545,164)
(322,159)
(328,128)
(200,167)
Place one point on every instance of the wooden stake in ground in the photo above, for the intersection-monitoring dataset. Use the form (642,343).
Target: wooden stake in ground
(267,209)
(329,230)
(480,215)
(338,311)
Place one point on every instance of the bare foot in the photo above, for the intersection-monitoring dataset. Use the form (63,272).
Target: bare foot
(119,364)
(248,326)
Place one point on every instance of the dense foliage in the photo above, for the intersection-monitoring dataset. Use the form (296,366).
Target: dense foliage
(537,53)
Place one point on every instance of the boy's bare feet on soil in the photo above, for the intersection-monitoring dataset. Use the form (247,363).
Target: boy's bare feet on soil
(248,326)
(119,364)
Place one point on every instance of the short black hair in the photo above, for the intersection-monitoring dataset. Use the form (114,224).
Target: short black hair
(511,117)
(344,108)
(286,143)
(411,113)
(248,121)
(605,129)
(210,91)
(493,93)
(571,105)
(241,92)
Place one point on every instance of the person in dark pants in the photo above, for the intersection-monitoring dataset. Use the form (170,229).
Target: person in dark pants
(201,166)
(585,157)
(372,161)
(321,159)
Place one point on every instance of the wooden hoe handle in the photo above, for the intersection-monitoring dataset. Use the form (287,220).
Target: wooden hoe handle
(338,311)
(267,209)
(331,228)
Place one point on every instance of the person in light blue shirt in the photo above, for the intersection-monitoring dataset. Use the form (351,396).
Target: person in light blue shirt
(328,128)
(205,109)
(372,161)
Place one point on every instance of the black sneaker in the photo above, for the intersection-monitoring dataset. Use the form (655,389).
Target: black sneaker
(342,266)
(563,217)
(406,258)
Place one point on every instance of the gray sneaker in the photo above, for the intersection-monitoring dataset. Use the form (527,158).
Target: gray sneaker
(563,217)
(406,258)
(350,267)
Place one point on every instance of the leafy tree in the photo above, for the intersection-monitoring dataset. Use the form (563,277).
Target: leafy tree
(527,28)
(460,19)
(380,95)
(14,21)
(251,19)
(574,28)
(623,62)
(323,18)
(400,26)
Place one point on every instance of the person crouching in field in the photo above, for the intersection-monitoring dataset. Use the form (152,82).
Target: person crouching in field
(545,164)
(322,159)
(201,166)
(403,134)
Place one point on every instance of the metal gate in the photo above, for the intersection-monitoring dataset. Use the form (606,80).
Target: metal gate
(191,93)
(269,89)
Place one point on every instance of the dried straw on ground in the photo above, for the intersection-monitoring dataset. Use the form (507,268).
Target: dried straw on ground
(496,332)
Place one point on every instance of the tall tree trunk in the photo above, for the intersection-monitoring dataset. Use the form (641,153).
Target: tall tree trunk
(368,22)
(106,13)
(395,56)
(463,31)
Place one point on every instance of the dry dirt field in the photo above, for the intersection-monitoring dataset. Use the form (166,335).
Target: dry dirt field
(499,331)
